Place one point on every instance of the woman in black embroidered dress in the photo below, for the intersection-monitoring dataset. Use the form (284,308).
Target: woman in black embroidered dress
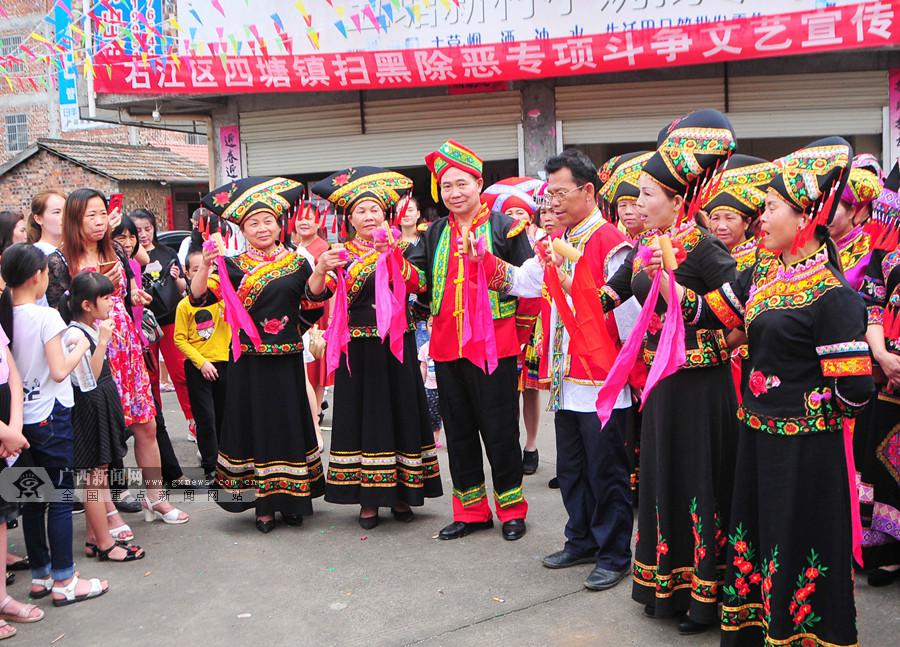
(268,453)
(687,454)
(382,448)
(877,447)
(789,578)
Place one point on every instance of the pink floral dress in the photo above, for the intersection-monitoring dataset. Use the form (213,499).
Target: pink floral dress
(126,362)
(124,352)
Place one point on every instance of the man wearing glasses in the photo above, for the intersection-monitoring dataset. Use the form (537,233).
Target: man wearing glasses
(592,466)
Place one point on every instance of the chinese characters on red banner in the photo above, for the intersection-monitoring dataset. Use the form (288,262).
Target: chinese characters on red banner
(230,149)
(857,26)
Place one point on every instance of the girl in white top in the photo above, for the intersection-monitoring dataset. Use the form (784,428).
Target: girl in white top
(36,339)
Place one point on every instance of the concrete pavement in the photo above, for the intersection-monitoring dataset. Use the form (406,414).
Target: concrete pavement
(217,581)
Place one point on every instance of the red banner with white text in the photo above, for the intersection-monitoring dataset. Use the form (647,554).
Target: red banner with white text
(859,26)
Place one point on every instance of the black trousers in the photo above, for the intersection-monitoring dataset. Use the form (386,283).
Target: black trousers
(171,468)
(207,403)
(471,402)
(592,467)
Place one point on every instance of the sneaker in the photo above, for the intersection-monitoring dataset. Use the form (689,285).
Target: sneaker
(166,387)
(78,508)
(192,431)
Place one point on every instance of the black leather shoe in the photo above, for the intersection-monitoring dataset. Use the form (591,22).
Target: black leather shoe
(687,627)
(295,520)
(564,559)
(459,529)
(601,579)
(367,523)
(553,484)
(530,462)
(265,527)
(514,529)
(127,503)
(649,610)
(880,577)
(405,516)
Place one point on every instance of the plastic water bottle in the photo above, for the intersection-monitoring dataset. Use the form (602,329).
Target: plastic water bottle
(82,375)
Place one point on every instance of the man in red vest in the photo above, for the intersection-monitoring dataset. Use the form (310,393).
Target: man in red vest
(592,465)
(475,396)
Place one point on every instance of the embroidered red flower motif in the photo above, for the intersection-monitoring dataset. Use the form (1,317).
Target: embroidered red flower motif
(805,591)
(680,253)
(740,547)
(662,548)
(341,180)
(221,198)
(801,615)
(757,384)
(655,324)
(812,573)
(274,326)
(755,578)
(760,384)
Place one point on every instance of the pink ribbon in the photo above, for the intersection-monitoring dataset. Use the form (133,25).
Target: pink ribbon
(398,318)
(483,327)
(670,354)
(337,335)
(855,521)
(384,300)
(390,300)
(621,368)
(236,316)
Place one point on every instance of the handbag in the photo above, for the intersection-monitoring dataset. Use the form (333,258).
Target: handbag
(164,291)
(150,327)
(316,342)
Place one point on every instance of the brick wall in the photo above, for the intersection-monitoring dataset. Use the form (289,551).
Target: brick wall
(146,195)
(45,171)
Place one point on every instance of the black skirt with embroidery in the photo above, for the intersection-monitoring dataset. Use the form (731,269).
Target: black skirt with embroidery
(686,463)
(789,577)
(382,447)
(268,454)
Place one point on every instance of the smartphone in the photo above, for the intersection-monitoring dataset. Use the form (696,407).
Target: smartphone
(115,202)
(106,266)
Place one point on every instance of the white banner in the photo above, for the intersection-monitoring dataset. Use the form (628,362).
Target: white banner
(243,27)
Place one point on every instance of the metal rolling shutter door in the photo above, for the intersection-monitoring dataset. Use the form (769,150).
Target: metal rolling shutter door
(844,103)
(398,132)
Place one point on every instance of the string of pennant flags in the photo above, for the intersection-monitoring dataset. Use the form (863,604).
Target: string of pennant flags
(156,41)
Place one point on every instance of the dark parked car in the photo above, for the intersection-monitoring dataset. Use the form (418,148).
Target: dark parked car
(172,239)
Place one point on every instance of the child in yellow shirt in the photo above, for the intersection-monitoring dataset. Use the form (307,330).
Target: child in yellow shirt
(203,336)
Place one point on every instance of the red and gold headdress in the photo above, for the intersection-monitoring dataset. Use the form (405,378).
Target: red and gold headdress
(451,154)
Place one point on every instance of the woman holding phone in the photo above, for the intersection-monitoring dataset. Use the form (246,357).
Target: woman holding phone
(87,245)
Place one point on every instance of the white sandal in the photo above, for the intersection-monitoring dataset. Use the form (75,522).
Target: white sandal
(69,592)
(8,634)
(170,517)
(23,615)
(120,533)
(45,584)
